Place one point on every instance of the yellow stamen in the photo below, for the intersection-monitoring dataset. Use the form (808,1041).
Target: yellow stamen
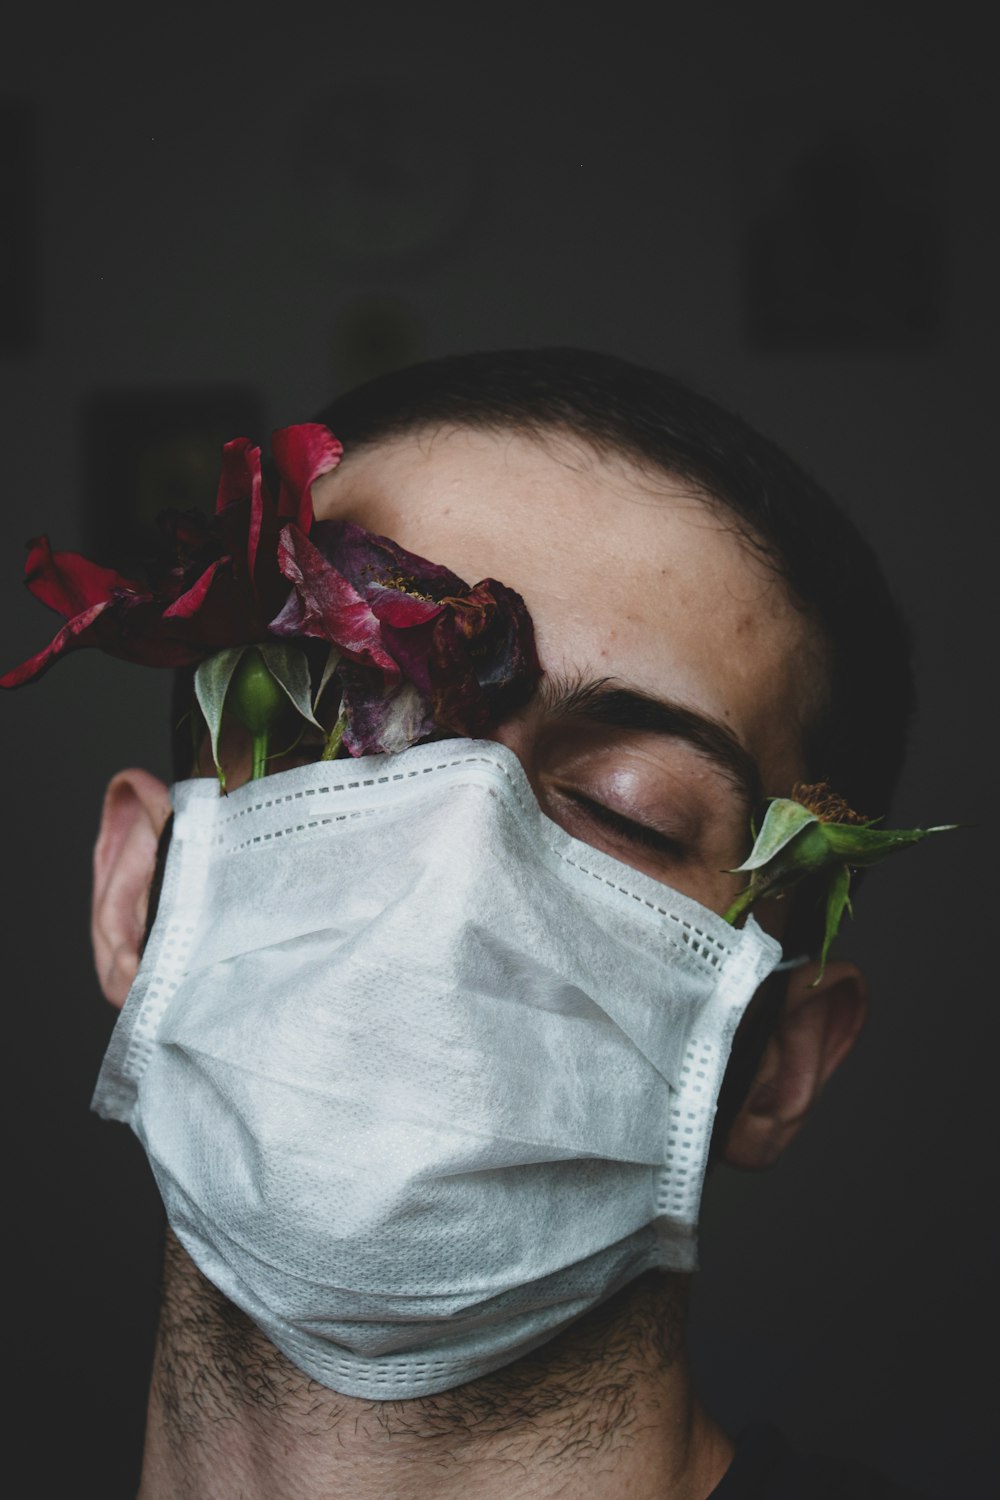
(399,582)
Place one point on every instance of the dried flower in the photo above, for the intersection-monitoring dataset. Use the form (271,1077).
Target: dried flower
(213,583)
(422,650)
(251,595)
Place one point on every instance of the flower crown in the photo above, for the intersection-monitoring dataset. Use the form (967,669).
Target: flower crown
(279,613)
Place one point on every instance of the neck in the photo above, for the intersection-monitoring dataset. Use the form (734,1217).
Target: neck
(603,1410)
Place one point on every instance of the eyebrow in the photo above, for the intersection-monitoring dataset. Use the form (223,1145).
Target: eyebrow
(601,701)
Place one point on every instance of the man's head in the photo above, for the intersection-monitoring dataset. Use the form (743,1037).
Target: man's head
(711,627)
(623,412)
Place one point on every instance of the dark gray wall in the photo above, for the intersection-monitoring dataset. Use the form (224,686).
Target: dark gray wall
(283,206)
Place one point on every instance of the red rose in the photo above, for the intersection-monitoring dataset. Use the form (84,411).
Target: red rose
(216,582)
(422,649)
(413,649)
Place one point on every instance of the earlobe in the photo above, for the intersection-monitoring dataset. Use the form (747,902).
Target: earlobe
(136,807)
(818,1026)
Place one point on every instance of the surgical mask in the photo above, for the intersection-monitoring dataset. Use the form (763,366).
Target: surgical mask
(421,1078)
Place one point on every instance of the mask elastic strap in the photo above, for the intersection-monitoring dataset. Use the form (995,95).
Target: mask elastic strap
(792,963)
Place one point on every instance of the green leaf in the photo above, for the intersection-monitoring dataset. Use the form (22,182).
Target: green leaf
(838,900)
(211,684)
(333,657)
(785,819)
(289,666)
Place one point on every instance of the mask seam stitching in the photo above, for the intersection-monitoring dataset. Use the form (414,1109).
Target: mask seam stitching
(692,936)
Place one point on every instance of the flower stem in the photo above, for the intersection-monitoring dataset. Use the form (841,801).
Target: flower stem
(259,767)
(332,747)
(742,903)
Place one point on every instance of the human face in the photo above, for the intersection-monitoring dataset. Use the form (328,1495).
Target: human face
(679,674)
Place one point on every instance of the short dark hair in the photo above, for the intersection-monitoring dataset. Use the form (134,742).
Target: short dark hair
(624,409)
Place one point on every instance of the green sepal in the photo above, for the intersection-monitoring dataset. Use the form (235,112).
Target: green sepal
(254,684)
(289,666)
(211,684)
(838,900)
(793,843)
(865,845)
(783,821)
(332,659)
(804,852)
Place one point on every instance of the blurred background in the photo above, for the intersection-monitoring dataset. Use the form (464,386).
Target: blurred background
(213,224)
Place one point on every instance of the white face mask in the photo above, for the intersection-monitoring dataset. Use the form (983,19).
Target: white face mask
(421,1077)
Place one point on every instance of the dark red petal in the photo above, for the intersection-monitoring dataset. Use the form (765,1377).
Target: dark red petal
(327,606)
(190,602)
(412,648)
(290,619)
(459,702)
(382,717)
(240,471)
(375,564)
(69,583)
(73,634)
(507,657)
(150,651)
(483,662)
(183,532)
(223,612)
(402,610)
(259,500)
(301,455)
(241,481)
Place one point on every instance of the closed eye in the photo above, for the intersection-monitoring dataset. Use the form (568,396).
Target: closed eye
(636,833)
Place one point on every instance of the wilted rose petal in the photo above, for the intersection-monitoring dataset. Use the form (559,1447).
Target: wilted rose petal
(77,633)
(413,649)
(383,572)
(215,581)
(69,583)
(484,662)
(189,604)
(382,720)
(325,605)
(241,482)
(240,476)
(469,651)
(301,454)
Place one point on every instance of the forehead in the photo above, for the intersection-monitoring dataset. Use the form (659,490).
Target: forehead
(627,576)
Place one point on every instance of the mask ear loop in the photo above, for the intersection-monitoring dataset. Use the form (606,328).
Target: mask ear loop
(748,1047)
(156,884)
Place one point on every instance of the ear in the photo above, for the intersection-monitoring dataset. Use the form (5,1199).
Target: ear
(819,1024)
(136,806)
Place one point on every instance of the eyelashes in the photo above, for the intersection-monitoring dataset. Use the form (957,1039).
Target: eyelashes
(636,833)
